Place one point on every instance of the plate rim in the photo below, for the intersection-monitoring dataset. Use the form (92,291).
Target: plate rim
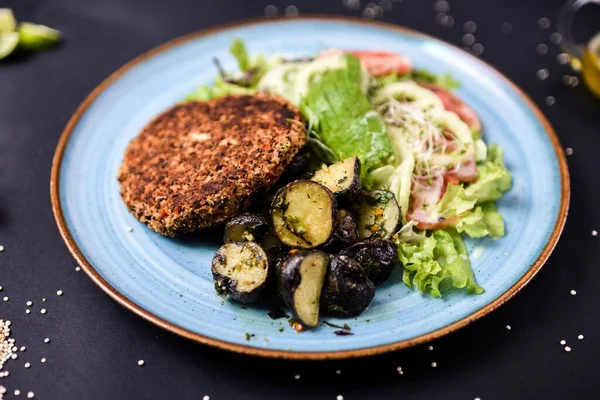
(290,354)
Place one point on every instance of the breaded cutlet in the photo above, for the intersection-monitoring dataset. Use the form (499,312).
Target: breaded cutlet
(197,164)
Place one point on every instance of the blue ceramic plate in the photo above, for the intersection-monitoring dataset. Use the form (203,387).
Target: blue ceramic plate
(169,282)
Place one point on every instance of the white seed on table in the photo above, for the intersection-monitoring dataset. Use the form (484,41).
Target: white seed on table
(43,299)
(580,337)
(46,340)
(433,364)
(1,248)
(567,349)
(43,311)
(441,6)
(297,377)
(544,23)
(542,74)
(563,58)
(470,27)
(556,38)
(508,327)
(29,303)
(291,11)
(542,49)
(468,39)
(569,152)
(23,348)
(141,362)
(27,365)
(594,233)
(30,395)
(573,292)
(17,392)
(43,360)
(77,269)
(59,293)
(270,11)
(27,311)
(338,372)
(340,397)
(129,229)
(206,398)
(477,49)
(430,348)
(506,28)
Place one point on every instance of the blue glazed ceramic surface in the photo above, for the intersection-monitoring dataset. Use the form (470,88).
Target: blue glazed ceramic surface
(171,278)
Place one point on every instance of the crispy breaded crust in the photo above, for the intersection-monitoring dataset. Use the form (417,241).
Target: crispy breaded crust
(197,164)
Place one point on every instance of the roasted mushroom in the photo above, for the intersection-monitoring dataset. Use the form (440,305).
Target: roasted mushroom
(376,256)
(246,227)
(347,291)
(241,271)
(303,214)
(342,178)
(299,283)
(377,214)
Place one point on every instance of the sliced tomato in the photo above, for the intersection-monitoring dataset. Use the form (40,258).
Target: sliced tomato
(377,62)
(467,172)
(455,104)
(424,196)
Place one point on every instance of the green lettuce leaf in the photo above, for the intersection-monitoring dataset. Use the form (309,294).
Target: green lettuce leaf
(238,49)
(445,80)
(494,179)
(440,257)
(484,220)
(337,109)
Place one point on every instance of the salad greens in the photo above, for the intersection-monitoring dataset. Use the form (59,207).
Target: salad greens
(336,107)
(407,141)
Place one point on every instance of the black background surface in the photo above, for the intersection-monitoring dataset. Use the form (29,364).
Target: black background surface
(95,343)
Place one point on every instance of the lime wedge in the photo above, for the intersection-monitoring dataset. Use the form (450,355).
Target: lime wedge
(7,20)
(8,43)
(33,36)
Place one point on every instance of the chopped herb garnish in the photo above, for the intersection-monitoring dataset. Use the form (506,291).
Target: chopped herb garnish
(249,335)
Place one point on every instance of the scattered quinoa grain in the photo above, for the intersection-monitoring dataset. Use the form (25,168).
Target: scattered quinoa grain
(567,349)
(43,311)
(433,364)
(206,398)
(594,233)
(297,377)
(77,269)
(129,229)
(340,397)
(338,372)
(563,342)
(573,292)
(23,348)
(43,360)
(580,337)
(46,340)
(43,299)
(59,293)
(508,327)
(27,311)
(569,151)
(1,248)
(29,303)
(141,362)
(430,348)
(27,365)
(17,392)
(30,395)
(5,298)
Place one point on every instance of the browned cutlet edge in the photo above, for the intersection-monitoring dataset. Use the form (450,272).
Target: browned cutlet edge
(198,163)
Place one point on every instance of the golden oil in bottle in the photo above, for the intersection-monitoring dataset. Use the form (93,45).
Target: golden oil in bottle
(590,65)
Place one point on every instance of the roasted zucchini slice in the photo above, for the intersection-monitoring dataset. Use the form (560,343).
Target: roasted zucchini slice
(303,214)
(342,178)
(377,214)
(376,256)
(299,283)
(347,291)
(241,271)
(345,232)
(246,228)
